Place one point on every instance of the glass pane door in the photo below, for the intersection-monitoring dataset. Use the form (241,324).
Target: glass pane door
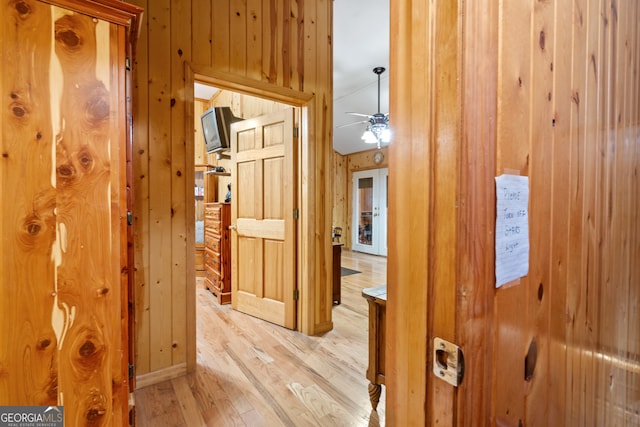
(365,210)
(370,211)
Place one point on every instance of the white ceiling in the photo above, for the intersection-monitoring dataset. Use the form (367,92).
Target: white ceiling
(360,43)
(202,91)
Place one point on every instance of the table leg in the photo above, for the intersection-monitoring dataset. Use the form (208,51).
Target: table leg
(374,394)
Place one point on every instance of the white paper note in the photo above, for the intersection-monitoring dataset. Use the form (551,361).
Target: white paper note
(512,228)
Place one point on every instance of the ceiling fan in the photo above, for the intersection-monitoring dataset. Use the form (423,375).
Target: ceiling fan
(377,130)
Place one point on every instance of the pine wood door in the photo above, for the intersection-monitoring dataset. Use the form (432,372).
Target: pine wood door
(262,215)
(64,278)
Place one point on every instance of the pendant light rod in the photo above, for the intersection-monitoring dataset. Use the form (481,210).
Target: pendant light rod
(378,71)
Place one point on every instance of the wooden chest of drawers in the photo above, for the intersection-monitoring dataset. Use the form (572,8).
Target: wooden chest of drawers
(217,250)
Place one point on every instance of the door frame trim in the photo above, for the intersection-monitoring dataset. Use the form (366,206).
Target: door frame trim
(305,244)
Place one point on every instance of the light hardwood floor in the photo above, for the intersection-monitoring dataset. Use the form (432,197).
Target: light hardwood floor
(253,373)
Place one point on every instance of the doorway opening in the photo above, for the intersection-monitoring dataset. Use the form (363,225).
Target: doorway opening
(239,90)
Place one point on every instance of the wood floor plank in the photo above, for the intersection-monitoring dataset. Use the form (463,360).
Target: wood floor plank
(253,373)
(323,407)
(258,383)
(188,403)
(161,407)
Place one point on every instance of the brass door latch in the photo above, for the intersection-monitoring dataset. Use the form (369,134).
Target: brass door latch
(448,361)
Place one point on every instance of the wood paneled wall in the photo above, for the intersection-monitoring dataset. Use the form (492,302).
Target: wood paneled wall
(278,44)
(576,106)
(546,89)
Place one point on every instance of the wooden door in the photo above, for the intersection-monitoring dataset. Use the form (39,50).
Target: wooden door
(557,103)
(262,215)
(64,276)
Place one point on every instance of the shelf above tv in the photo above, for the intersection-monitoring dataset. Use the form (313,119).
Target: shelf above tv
(215,172)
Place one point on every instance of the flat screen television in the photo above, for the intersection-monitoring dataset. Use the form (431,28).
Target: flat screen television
(216,128)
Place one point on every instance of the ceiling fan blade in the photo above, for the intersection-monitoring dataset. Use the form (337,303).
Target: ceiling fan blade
(351,124)
(358,114)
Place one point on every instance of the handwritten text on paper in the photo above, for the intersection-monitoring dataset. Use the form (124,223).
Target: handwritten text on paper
(512,228)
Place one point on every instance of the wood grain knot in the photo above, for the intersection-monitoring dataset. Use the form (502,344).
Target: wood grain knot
(97,107)
(85,159)
(65,172)
(22,8)
(43,343)
(68,38)
(87,349)
(542,40)
(33,226)
(530,360)
(96,408)
(37,229)
(576,97)
(72,33)
(94,414)
(19,109)
(90,352)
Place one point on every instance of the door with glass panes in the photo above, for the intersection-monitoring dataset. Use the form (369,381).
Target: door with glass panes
(369,228)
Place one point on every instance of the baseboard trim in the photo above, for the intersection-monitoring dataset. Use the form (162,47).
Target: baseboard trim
(165,374)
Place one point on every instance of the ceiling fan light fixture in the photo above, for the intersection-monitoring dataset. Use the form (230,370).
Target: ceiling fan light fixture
(368,137)
(377,135)
(377,131)
(385,136)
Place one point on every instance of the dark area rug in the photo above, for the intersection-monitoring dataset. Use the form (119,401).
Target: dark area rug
(347,271)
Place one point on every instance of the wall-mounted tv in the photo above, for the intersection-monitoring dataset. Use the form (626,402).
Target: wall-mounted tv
(216,128)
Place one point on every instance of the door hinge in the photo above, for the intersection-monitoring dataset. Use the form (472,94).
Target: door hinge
(448,361)
(129,218)
(127,63)
(296,213)
(295,132)
(132,370)
(296,295)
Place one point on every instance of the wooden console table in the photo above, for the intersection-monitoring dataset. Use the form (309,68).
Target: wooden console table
(377,299)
